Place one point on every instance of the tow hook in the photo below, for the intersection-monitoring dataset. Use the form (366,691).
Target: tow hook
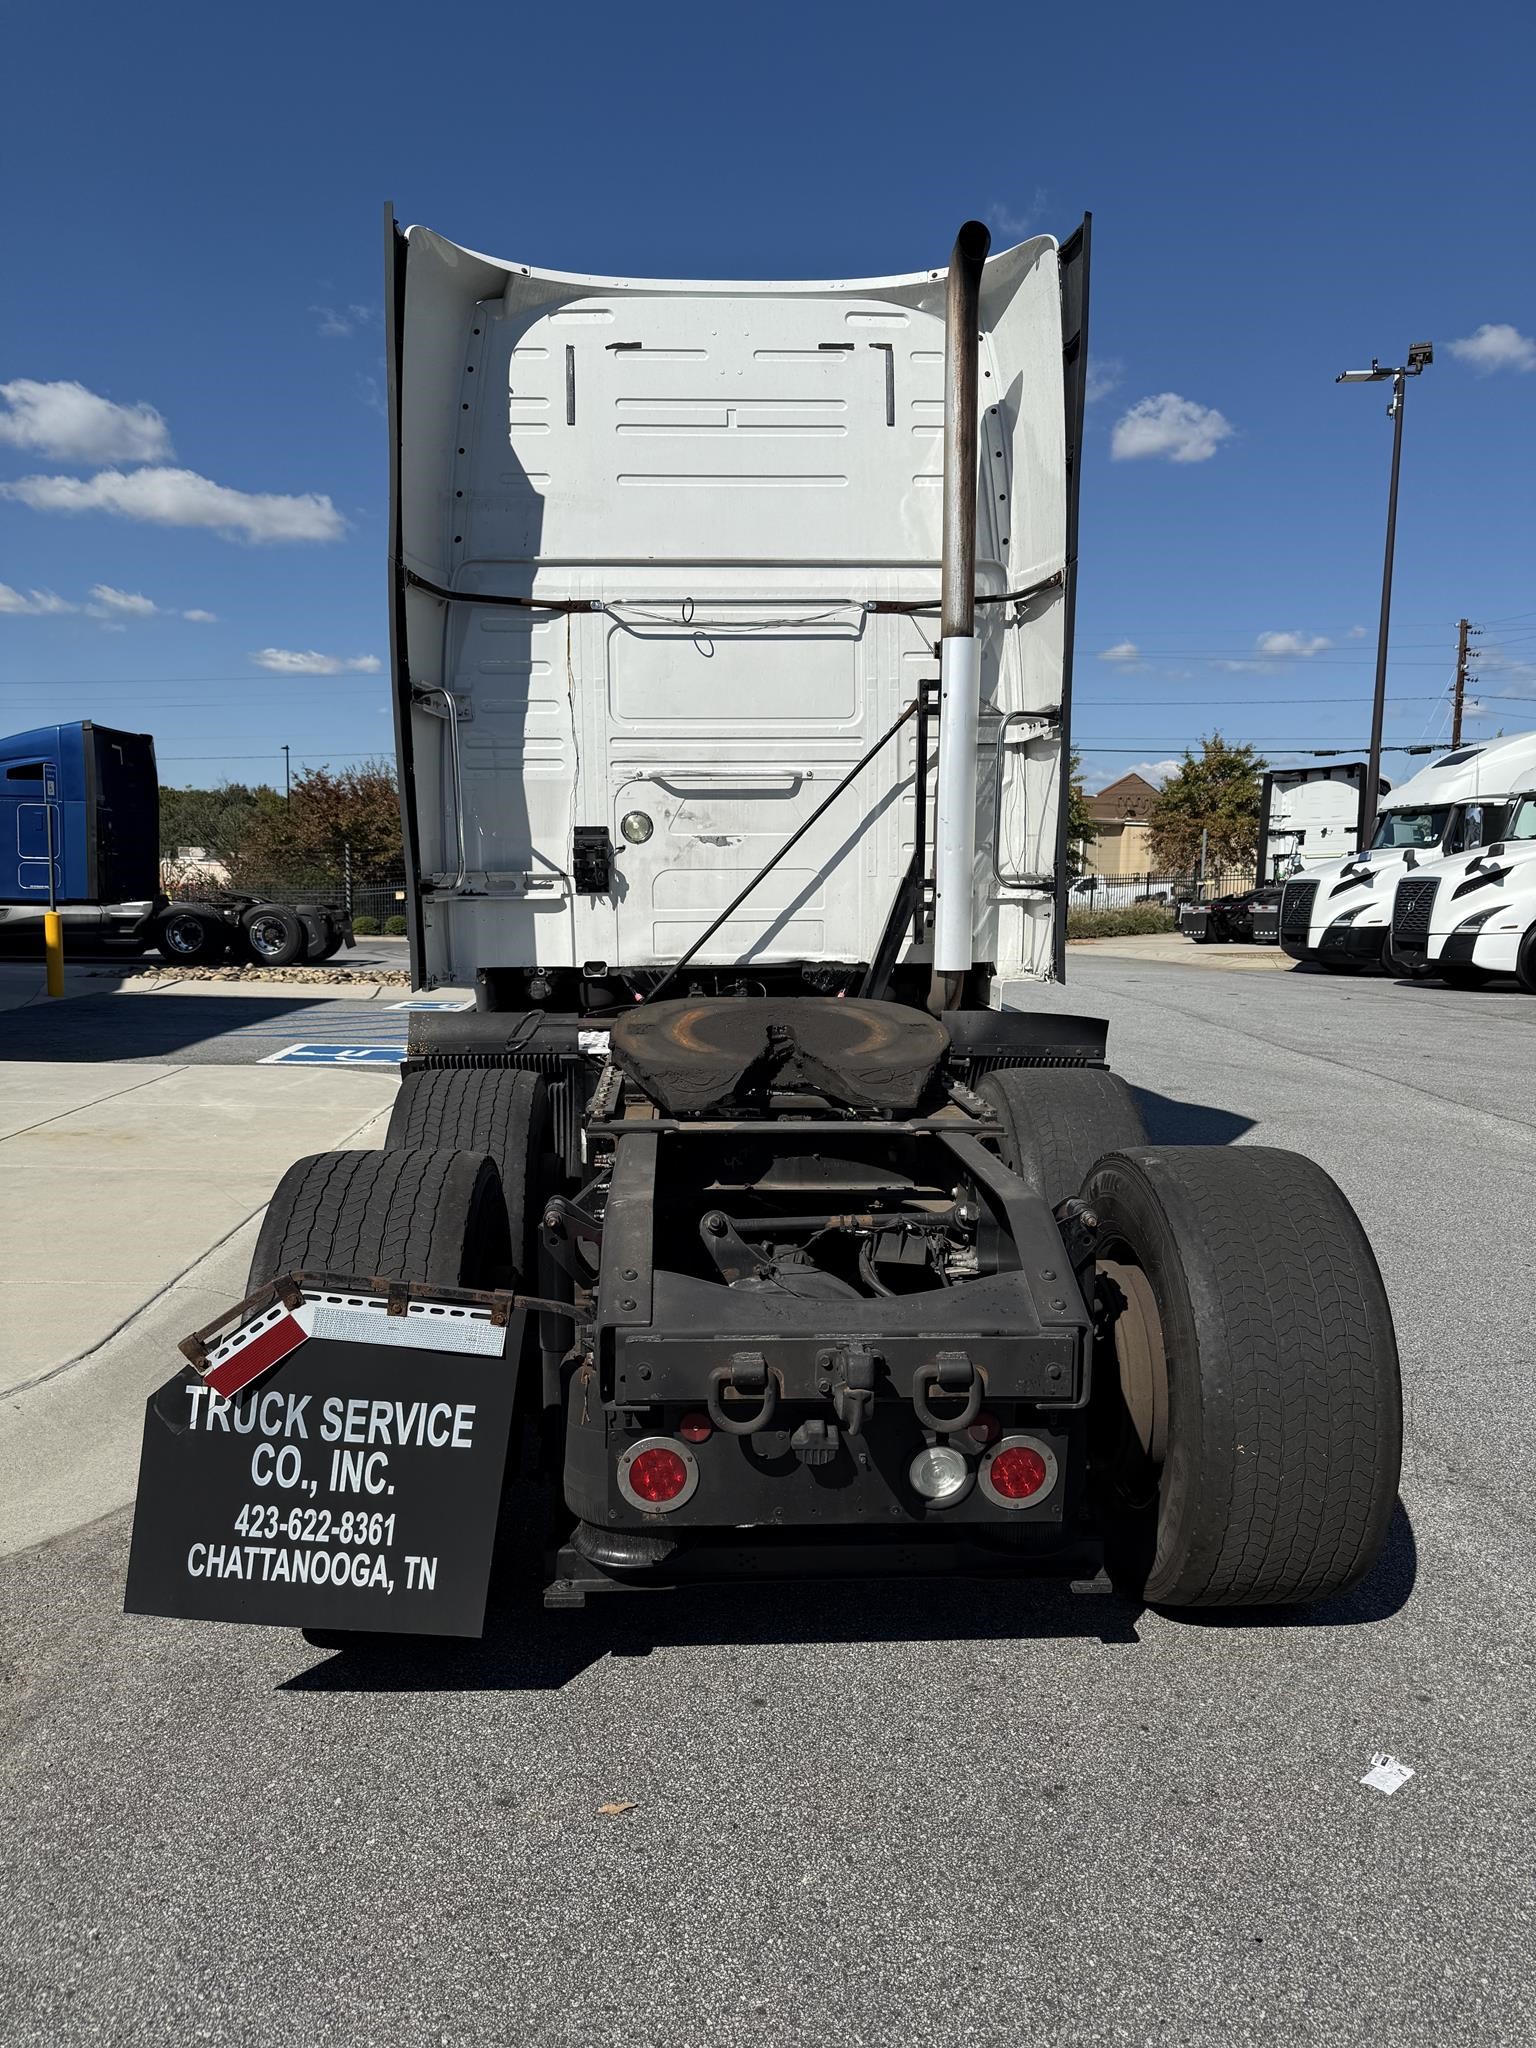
(745,1378)
(848,1373)
(953,1375)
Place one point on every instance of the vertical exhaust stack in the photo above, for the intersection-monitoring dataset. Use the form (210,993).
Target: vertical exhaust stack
(954,840)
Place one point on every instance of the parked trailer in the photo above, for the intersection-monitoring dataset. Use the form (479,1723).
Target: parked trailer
(80,828)
(741,1208)
(1340,915)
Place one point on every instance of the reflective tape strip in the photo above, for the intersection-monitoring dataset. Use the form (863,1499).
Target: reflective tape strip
(350,1319)
(425,1326)
(253,1351)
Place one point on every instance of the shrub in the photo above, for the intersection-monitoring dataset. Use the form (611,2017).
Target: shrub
(365,927)
(395,927)
(1132,922)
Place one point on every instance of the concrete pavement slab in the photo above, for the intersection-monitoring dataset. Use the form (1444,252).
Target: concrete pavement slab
(105,1204)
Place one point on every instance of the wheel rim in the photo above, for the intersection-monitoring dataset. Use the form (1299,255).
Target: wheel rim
(267,935)
(184,935)
(1136,1331)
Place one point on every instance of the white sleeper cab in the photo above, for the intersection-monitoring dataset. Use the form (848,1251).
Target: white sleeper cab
(1340,914)
(1472,917)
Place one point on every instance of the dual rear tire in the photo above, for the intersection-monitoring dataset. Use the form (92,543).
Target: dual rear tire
(1246,1417)
(1248,1424)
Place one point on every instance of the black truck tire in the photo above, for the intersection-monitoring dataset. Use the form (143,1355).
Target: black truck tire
(1525,962)
(494,1110)
(191,937)
(1248,1438)
(1057,1121)
(435,1217)
(274,935)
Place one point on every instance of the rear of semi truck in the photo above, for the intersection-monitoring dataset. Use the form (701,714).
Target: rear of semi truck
(743,1229)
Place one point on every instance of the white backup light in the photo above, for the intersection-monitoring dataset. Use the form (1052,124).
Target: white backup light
(940,1474)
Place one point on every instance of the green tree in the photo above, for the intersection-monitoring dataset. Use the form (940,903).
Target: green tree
(214,819)
(1081,830)
(1215,792)
(328,813)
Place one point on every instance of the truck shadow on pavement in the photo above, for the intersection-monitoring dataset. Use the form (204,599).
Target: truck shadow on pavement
(525,1649)
(168,1026)
(1171,1122)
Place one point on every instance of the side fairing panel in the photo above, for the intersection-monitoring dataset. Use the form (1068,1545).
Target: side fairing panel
(708,484)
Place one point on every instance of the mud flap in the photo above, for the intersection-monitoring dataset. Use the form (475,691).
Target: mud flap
(352,1482)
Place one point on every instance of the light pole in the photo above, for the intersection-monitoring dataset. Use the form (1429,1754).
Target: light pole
(287,782)
(1420,355)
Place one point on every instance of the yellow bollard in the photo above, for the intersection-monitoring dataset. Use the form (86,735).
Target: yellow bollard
(53,947)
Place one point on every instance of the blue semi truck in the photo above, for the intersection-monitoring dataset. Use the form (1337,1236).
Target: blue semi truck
(80,833)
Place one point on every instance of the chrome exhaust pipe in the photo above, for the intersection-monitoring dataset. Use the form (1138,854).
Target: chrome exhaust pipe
(954,839)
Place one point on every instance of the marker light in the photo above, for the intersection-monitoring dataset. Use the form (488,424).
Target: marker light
(696,1427)
(940,1475)
(1018,1472)
(636,827)
(657,1473)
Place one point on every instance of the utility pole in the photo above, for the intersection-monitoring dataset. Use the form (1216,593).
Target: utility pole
(287,779)
(1459,698)
(1420,356)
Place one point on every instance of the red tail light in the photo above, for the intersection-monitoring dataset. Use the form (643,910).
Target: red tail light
(696,1427)
(1018,1472)
(657,1473)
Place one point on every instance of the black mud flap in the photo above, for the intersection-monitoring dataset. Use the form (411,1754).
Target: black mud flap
(353,1483)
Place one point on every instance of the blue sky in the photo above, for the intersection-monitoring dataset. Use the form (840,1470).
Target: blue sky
(1277,196)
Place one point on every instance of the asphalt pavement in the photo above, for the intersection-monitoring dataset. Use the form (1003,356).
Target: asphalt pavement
(1011,1814)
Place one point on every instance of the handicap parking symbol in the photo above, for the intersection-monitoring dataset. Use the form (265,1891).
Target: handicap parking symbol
(335,1056)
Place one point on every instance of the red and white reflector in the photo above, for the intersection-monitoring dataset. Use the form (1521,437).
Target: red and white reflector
(254,1350)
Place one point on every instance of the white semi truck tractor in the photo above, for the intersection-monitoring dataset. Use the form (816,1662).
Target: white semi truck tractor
(1339,915)
(1471,918)
(742,1229)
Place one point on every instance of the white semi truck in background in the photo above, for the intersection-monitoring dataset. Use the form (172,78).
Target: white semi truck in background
(732,665)
(1340,915)
(1470,918)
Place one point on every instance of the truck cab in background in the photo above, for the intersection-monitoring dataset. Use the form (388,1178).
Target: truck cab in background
(80,833)
(1473,916)
(1339,915)
(80,830)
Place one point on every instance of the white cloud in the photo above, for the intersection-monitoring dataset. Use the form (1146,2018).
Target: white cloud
(338,321)
(67,423)
(124,601)
(1104,375)
(1170,426)
(284,661)
(1287,646)
(1496,346)
(32,603)
(1357,632)
(1123,650)
(1156,772)
(180,497)
(202,618)
(1012,224)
